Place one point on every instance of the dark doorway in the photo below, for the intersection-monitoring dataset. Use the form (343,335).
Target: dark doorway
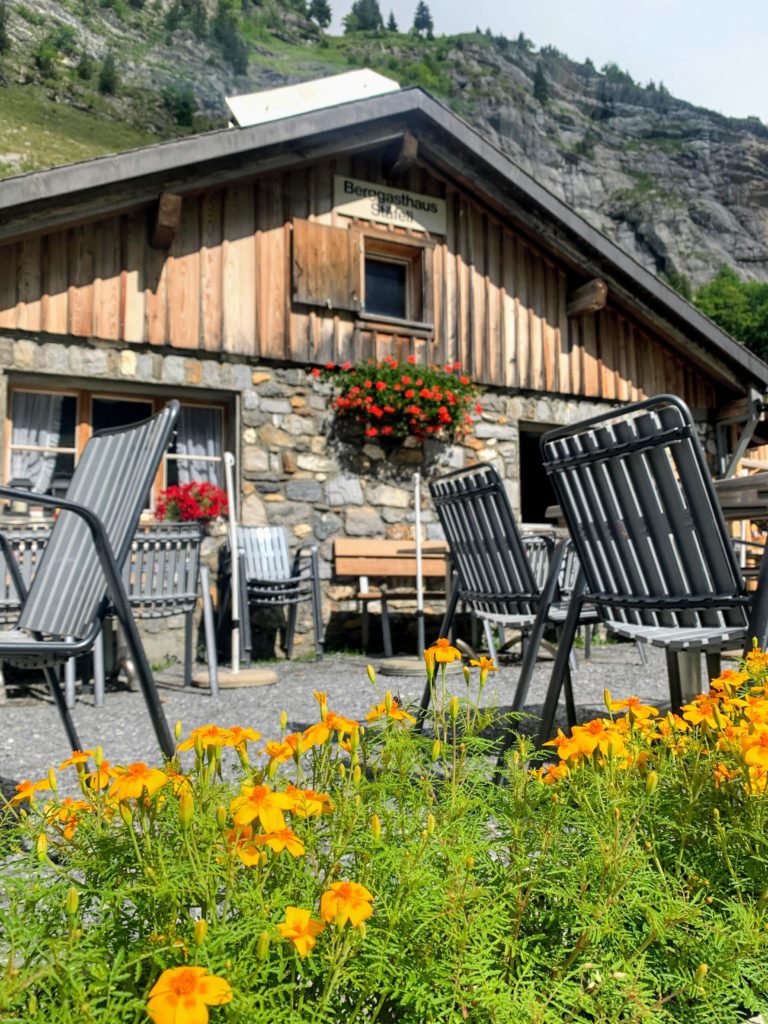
(536,492)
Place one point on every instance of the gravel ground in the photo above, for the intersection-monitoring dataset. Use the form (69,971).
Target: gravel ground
(32,738)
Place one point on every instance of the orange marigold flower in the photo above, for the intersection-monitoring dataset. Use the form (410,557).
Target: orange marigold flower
(237,736)
(210,736)
(755,747)
(79,757)
(567,746)
(182,995)
(756,709)
(442,652)
(757,661)
(25,790)
(484,664)
(100,777)
(263,803)
(552,773)
(316,735)
(728,682)
(395,712)
(67,814)
(600,734)
(722,774)
(285,839)
(705,708)
(135,780)
(300,929)
(758,780)
(634,706)
(341,724)
(280,752)
(346,901)
(307,803)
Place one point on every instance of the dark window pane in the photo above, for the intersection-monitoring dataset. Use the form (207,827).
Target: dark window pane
(116,412)
(385,287)
(68,421)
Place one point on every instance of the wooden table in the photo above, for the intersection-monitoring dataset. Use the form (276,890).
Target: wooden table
(744,497)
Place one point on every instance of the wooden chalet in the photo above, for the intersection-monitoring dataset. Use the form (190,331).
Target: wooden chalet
(220,268)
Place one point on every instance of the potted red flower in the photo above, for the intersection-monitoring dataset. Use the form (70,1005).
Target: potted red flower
(197,501)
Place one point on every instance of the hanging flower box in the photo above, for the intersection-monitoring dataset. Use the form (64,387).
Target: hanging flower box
(393,400)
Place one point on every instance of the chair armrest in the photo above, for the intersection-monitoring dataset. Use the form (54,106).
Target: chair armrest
(306,551)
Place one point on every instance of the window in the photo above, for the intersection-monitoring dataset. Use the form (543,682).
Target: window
(377,274)
(48,430)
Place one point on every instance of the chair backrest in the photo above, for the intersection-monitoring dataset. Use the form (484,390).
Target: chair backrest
(161,571)
(635,491)
(494,574)
(538,548)
(266,552)
(113,479)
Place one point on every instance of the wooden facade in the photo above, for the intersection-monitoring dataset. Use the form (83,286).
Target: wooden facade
(494,300)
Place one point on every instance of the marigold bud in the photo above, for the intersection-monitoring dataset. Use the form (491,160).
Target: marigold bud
(262,946)
(467,674)
(430,823)
(356,775)
(354,741)
(221,816)
(437,746)
(177,730)
(199,748)
(283,721)
(126,814)
(98,756)
(371,673)
(453,708)
(388,701)
(376,826)
(718,718)
(41,847)
(52,781)
(72,901)
(263,859)
(358,800)
(361,928)
(343,771)
(616,813)
(607,698)
(469,863)
(201,930)
(186,809)
(716,813)
(700,973)
(651,782)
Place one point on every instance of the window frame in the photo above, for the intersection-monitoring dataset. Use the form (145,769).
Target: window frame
(416,253)
(84,419)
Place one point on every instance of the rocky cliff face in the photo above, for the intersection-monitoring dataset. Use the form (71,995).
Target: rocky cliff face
(684,190)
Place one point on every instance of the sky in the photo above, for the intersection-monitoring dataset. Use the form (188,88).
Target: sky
(711,53)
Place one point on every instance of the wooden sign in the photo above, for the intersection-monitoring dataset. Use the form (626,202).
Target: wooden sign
(369,201)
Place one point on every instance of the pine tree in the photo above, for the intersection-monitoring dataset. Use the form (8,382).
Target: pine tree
(540,85)
(364,16)
(320,12)
(226,32)
(422,21)
(108,80)
(392,24)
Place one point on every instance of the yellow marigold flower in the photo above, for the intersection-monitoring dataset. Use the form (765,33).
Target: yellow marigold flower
(182,995)
(567,747)
(67,814)
(757,662)
(316,735)
(756,709)
(280,752)
(598,734)
(100,778)
(209,736)
(263,803)
(346,901)
(394,712)
(755,747)
(551,773)
(26,790)
(79,757)
(179,782)
(322,699)
(285,839)
(702,709)
(300,929)
(728,682)
(442,652)
(633,705)
(135,780)
(722,774)
(306,803)
(758,780)
(340,724)
(483,663)
(237,736)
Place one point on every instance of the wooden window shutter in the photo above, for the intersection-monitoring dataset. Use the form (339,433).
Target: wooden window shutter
(327,265)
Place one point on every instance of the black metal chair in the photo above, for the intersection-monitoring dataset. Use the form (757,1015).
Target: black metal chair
(657,561)
(80,574)
(269,576)
(494,575)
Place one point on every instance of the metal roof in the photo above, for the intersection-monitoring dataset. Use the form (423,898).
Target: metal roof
(42,199)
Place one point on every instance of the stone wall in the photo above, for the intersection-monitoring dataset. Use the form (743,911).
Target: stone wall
(297,469)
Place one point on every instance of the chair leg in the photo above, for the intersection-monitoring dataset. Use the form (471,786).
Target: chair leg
(386,632)
(560,670)
(290,629)
(587,642)
(99,672)
(570,704)
(640,645)
(714,663)
(61,707)
(488,630)
(246,641)
(189,625)
(317,605)
(70,679)
(210,632)
(3,695)
(365,627)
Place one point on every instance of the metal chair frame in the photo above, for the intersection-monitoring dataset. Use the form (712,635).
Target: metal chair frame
(79,574)
(270,577)
(657,560)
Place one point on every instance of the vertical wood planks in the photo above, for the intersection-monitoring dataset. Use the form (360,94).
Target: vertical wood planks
(211,232)
(54,283)
(240,332)
(8,268)
(106,285)
(133,316)
(80,291)
(184,279)
(28,305)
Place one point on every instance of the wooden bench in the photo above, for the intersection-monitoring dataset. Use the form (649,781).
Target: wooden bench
(391,565)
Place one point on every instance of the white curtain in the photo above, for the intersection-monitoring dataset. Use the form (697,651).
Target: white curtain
(198,433)
(36,421)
